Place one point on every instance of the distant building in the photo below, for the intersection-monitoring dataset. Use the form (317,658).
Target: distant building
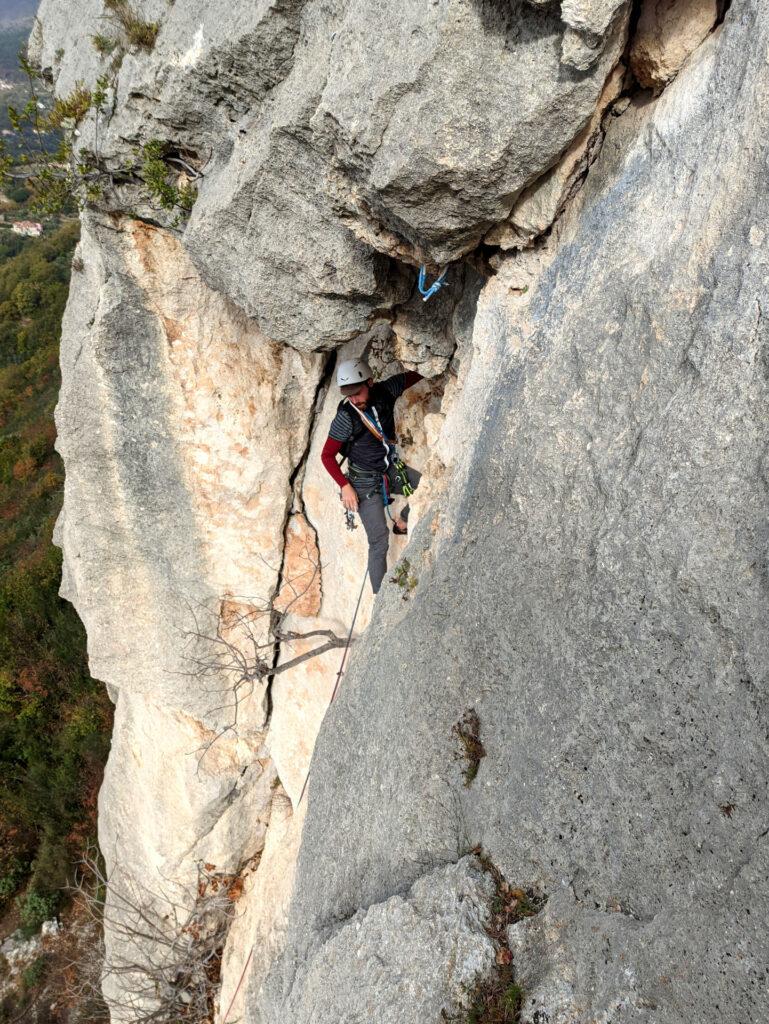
(27,227)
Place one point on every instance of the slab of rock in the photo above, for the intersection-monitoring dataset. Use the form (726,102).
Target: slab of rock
(588,23)
(667,33)
(591,17)
(180,426)
(597,592)
(611,944)
(543,201)
(362,134)
(410,959)
(427,115)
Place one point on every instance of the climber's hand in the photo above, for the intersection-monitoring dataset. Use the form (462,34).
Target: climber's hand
(349,498)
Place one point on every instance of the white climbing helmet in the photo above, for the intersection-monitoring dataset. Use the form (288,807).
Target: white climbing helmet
(351,374)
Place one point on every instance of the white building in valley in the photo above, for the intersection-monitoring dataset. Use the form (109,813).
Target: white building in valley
(27,227)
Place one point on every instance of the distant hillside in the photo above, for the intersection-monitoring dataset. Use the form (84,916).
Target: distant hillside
(14,88)
(54,719)
(16,10)
(13,38)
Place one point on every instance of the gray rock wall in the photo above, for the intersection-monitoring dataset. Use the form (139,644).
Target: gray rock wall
(598,593)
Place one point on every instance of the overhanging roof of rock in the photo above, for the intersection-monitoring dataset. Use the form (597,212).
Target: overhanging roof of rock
(338,135)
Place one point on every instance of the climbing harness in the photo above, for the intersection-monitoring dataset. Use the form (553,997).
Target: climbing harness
(392,460)
(438,283)
(341,667)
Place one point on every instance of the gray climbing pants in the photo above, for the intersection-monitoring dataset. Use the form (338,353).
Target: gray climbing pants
(368,487)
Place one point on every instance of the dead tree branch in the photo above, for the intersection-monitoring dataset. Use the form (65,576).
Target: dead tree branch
(242,642)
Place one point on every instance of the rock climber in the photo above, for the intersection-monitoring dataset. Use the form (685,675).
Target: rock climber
(363,431)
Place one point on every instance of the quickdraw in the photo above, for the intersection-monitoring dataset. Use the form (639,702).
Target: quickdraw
(438,283)
(400,471)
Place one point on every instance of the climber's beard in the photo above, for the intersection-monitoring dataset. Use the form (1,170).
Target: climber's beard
(360,398)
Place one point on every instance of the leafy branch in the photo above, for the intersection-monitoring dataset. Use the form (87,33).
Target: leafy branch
(63,178)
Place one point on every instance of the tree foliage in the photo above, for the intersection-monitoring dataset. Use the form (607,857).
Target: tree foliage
(63,177)
(54,719)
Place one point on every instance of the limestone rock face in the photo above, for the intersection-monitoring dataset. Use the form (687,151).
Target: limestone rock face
(437,140)
(588,22)
(591,16)
(332,138)
(417,955)
(596,591)
(588,544)
(175,496)
(542,202)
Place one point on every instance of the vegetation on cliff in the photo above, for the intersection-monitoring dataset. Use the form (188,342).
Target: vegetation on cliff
(54,719)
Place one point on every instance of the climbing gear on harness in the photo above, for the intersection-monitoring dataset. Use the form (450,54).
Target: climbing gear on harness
(351,374)
(341,668)
(372,480)
(387,498)
(399,467)
(349,518)
(438,283)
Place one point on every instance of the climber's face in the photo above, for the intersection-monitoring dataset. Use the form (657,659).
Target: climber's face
(360,398)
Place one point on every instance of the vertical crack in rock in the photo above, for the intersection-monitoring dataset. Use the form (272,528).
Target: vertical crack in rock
(296,507)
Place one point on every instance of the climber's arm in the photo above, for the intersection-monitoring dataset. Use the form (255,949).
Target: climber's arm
(397,385)
(328,457)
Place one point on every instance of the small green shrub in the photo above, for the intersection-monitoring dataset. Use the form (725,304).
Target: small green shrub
(103,44)
(34,974)
(157,174)
(35,908)
(468,731)
(138,32)
(404,578)
(11,879)
(19,194)
(71,108)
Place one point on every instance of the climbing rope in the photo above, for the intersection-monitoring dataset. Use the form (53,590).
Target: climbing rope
(438,283)
(237,988)
(307,777)
(341,668)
